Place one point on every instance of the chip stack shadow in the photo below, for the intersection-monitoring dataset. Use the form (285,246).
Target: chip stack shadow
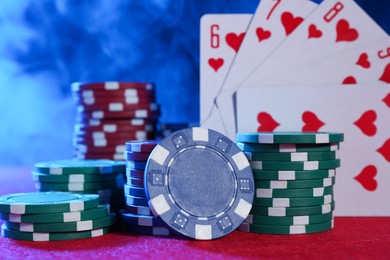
(103,177)
(137,216)
(109,114)
(294,176)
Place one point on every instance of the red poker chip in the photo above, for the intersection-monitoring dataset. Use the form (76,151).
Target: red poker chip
(113,149)
(130,100)
(118,107)
(146,146)
(135,182)
(100,114)
(118,122)
(111,85)
(135,156)
(133,135)
(83,94)
(104,142)
(133,173)
(107,156)
(113,128)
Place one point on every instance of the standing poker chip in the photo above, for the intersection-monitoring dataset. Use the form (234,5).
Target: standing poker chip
(291,137)
(47,202)
(199,183)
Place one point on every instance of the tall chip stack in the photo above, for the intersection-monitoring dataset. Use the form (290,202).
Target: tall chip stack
(53,216)
(137,216)
(294,176)
(103,177)
(109,114)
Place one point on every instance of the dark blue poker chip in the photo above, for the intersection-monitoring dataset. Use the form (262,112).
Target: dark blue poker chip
(140,220)
(200,183)
(152,231)
(136,165)
(136,156)
(136,201)
(134,191)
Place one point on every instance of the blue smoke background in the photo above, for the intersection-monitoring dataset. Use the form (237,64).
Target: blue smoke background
(45,45)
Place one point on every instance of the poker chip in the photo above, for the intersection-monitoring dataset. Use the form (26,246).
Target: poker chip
(136,165)
(287,148)
(136,182)
(288,221)
(134,191)
(136,201)
(136,113)
(300,184)
(109,127)
(152,231)
(59,217)
(199,183)
(293,211)
(293,193)
(298,166)
(292,202)
(139,220)
(76,178)
(111,86)
(293,157)
(39,236)
(79,186)
(46,202)
(92,156)
(118,107)
(139,210)
(85,149)
(290,137)
(80,167)
(293,175)
(63,227)
(286,230)
(141,146)
(136,98)
(135,156)
(131,173)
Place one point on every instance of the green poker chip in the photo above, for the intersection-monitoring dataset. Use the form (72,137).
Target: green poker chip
(80,178)
(295,166)
(292,157)
(287,148)
(293,175)
(64,167)
(291,137)
(293,193)
(300,184)
(293,211)
(79,186)
(75,216)
(288,221)
(47,202)
(63,227)
(38,236)
(287,230)
(292,202)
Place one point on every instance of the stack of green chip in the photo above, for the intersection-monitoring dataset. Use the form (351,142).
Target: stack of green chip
(50,216)
(103,177)
(294,176)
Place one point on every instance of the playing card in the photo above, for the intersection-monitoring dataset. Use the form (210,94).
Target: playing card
(367,64)
(272,22)
(220,39)
(335,26)
(361,112)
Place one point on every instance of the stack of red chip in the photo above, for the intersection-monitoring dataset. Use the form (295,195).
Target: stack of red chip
(109,114)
